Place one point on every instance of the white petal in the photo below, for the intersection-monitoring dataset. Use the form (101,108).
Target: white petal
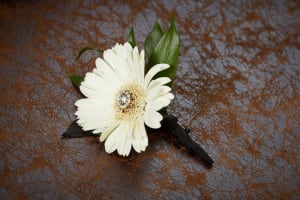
(92,115)
(125,140)
(157,92)
(110,145)
(93,85)
(128,47)
(158,82)
(112,140)
(136,66)
(122,140)
(137,136)
(153,71)
(122,50)
(127,146)
(140,138)
(104,68)
(89,106)
(98,72)
(106,132)
(136,146)
(142,65)
(97,131)
(108,74)
(143,135)
(131,66)
(152,118)
(119,140)
(118,64)
(160,102)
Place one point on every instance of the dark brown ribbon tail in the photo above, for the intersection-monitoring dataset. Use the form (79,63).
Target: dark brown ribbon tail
(170,124)
(75,131)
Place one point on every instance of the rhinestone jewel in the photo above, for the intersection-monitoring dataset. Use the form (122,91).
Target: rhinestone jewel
(124,99)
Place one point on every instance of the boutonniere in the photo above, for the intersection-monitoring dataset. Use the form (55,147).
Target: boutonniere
(127,93)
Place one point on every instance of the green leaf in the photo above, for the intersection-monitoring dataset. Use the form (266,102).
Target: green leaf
(131,38)
(76,79)
(152,39)
(166,51)
(88,49)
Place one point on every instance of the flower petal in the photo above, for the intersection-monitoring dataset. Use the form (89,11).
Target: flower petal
(93,86)
(137,68)
(123,50)
(93,115)
(106,132)
(160,102)
(157,92)
(117,63)
(107,73)
(153,118)
(134,68)
(140,138)
(120,140)
(153,71)
(111,142)
(158,82)
(143,135)
(127,147)
(142,65)
(123,139)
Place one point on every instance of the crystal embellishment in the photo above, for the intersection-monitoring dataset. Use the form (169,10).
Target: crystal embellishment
(124,99)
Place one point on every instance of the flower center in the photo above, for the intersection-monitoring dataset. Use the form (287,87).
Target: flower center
(130,102)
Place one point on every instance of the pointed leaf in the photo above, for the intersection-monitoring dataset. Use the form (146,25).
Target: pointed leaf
(88,49)
(131,38)
(152,39)
(76,80)
(166,51)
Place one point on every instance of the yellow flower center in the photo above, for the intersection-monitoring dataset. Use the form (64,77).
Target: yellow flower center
(129,102)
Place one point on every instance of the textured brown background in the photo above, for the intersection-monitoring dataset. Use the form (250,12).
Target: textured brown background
(237,88)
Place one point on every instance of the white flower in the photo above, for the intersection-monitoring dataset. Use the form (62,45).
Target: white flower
(121,99)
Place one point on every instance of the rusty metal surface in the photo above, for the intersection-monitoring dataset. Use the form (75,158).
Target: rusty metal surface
(237,88)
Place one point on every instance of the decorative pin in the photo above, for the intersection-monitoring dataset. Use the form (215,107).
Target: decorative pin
(120,119)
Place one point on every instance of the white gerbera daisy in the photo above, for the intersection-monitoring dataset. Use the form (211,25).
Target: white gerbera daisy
(121,99)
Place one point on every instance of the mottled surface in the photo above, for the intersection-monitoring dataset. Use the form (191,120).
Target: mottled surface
(237,88)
